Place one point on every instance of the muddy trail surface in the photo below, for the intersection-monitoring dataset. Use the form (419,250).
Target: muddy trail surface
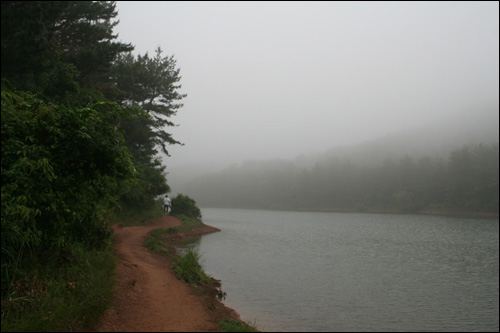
(148,295)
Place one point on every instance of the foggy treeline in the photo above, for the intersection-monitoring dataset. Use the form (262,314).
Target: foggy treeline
(421,170)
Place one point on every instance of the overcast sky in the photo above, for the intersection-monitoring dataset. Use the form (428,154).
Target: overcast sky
(278,79)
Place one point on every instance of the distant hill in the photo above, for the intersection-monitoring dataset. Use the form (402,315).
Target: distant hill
(446,165)
(433,140)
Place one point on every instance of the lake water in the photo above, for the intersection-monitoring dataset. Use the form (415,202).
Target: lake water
(308,271)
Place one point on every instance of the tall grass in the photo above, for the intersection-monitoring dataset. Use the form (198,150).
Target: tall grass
(129,217)
(188,222)
(61,297)
(187,268)
(234,325)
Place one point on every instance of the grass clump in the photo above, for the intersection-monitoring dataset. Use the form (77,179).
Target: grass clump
(234,325)
(187,268)
(154,240)
(188,222)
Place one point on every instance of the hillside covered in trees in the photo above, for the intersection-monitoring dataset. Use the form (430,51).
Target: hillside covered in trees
(451,170)
(83,120)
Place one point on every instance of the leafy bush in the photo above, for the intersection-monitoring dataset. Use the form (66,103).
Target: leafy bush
(184,205)
(62,169)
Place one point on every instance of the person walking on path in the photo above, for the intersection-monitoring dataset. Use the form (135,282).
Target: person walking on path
(166,205)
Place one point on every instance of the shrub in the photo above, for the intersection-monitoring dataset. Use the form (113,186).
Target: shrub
(63,168)
(184,205)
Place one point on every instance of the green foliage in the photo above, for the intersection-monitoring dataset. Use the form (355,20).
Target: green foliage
(66,52)
(187,268)
(234,325)
(128,216)
(184,205)
(48,45)
(472,182)
(466,181)
(62,169)
(150,179)
(154,240)
(149,182)
(65,162)
(151,84)
(54,297)
(70,152)
(189,222)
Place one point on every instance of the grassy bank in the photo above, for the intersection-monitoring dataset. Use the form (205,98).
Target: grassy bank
(64,294)
(187,267)
(57,297)
(72,294)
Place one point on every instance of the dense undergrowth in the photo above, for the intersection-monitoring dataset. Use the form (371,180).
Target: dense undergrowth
(70,292)
(61,297)
(62,293)
(83,123)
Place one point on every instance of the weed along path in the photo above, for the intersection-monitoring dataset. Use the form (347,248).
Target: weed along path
(148,296)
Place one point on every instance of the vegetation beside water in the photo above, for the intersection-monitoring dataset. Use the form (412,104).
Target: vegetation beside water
(184,205)
(187,265)
(187,268)
(83,121)
(466,181)
(233,325)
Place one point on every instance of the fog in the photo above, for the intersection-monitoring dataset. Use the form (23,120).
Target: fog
(270,80)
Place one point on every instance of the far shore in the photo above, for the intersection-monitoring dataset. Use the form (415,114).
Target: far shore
(421,212)
(459,213)
(439,212)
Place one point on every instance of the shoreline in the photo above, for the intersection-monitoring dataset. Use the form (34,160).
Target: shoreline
(147,294)
(215,288)
(437,212)
(221,311)
(458,213)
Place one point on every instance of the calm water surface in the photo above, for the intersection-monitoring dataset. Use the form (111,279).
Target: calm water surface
(298,271)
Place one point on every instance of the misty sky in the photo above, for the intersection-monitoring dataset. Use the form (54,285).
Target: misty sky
(278,79)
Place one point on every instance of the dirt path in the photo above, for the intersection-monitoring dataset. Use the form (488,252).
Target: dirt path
(149,297)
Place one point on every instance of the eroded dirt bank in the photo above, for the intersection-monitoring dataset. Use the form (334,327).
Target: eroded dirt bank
(149,297)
